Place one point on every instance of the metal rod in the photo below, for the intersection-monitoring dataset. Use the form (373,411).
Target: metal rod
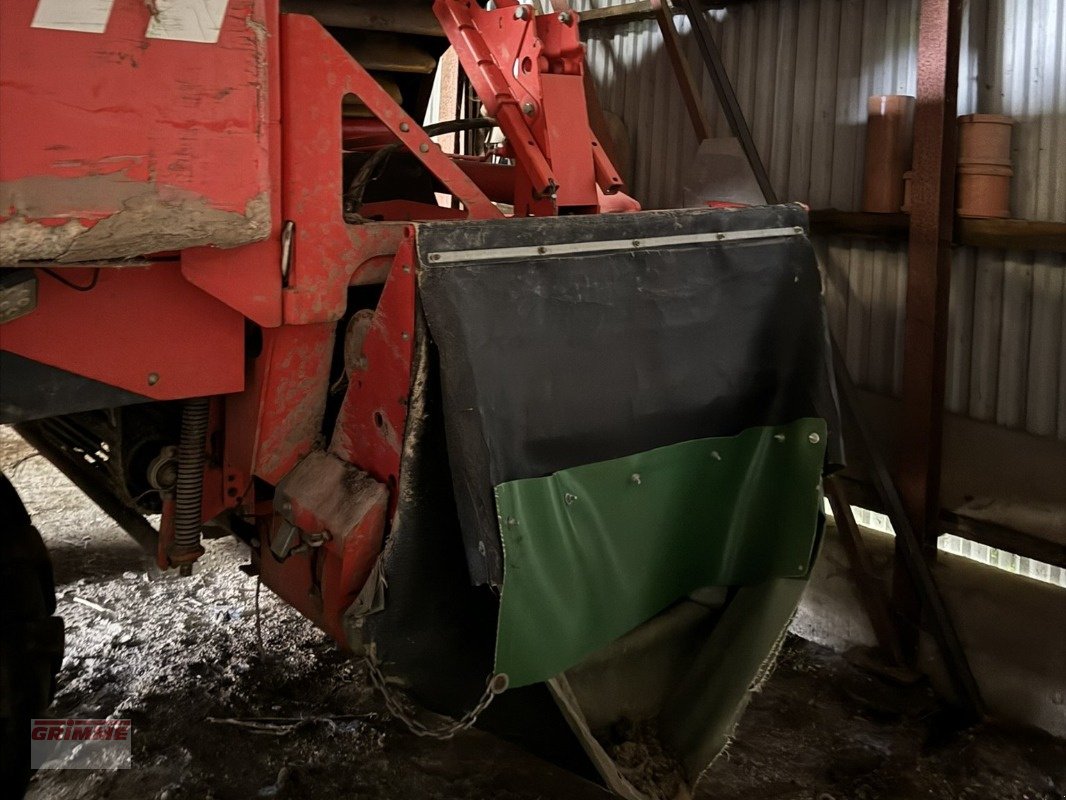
(910,550)
(82,475)
(682,71)
(873,597)
(727,96)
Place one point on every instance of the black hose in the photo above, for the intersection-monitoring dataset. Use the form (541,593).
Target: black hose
(188,494)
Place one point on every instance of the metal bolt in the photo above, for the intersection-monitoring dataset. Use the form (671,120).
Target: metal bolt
(423,148)
(635,242)
(153,378)
(511,522)
(521,12)
(569,498)
(715,455)
(528,108)
(565,17)
(814,438)
(779,437)
(720,236)
(405,335)
(635,478)
(434,256)
(798,229)
(404,127)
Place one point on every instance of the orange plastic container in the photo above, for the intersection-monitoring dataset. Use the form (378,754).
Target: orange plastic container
(889,131)
(985,139)
(983,190)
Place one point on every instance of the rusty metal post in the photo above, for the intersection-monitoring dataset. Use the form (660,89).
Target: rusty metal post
(928,277)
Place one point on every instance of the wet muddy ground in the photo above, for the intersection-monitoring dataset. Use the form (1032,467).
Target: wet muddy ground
(216,717)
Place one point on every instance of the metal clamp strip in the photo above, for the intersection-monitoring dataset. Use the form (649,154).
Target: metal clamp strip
(570,248)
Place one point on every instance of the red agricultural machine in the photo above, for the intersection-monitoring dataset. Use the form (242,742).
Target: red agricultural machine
(545,460)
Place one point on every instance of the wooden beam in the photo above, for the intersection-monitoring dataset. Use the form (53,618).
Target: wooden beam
(1005,234)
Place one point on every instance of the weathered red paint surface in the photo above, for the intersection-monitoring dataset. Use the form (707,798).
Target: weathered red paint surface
(370,428)
(276,421)
(325,494)
(136,323)
(318,73)
(164,140)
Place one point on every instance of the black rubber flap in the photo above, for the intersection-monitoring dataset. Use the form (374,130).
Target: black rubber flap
(556,360)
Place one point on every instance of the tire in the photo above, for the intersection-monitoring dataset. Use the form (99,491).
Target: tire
(31,638)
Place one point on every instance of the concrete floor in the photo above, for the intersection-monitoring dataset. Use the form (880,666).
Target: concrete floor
(181,659)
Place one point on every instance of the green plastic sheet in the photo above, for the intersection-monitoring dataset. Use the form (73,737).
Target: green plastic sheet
(593,551)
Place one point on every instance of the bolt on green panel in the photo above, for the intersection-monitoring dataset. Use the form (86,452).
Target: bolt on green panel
(593,551)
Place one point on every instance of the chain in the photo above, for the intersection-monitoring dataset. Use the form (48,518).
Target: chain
(400,709)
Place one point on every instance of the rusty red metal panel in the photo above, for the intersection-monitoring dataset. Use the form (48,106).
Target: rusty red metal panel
(117,143)
(143,329)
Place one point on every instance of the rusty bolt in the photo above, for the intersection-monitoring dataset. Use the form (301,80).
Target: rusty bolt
(565,17)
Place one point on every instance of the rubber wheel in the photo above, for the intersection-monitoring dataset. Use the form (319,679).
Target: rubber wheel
(31,638)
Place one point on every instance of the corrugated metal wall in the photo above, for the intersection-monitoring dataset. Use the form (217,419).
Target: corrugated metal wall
(803,70)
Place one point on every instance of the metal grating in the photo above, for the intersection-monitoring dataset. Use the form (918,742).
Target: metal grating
(803,71)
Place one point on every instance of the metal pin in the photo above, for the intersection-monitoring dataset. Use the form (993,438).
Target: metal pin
(814,438)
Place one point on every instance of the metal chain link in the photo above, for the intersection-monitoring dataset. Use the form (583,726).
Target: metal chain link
(401,710)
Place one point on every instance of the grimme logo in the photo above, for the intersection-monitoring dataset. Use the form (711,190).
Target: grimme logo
(80,743)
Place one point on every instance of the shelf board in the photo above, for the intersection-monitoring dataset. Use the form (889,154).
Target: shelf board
(1005,234)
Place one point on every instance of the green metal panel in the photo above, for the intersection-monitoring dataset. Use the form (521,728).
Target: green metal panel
(592,551)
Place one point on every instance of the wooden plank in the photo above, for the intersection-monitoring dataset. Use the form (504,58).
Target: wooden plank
(1004,234)
(1012,234)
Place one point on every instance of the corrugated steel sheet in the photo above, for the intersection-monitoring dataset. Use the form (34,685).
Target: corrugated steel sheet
(802,71)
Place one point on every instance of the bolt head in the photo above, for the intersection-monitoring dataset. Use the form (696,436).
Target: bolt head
(153,378)
(404,127)
(423,148)
(565,17)
(528,108)
(814,438)
(521,12)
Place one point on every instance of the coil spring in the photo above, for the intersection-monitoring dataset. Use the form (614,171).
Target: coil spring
(188,495)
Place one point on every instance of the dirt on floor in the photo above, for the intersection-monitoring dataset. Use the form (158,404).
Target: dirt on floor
(216,716)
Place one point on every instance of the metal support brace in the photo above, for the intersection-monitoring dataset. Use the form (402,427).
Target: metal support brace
(726,95)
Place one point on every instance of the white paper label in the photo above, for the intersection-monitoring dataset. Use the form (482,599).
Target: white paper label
(87,16)
(187,20)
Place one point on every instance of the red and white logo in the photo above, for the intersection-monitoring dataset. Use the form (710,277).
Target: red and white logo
(80,743)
